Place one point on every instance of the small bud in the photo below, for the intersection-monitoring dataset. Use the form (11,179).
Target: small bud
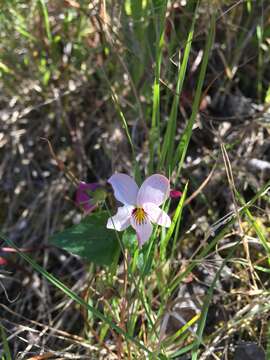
(3,261)
(174,194)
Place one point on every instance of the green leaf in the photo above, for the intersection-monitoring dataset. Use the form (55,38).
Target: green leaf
(90,239)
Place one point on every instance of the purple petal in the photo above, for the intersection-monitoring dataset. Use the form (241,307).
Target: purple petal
(157,215)
(88,186)
(154,189)
(143,230)
(83,198)
(125,189)
(121,220)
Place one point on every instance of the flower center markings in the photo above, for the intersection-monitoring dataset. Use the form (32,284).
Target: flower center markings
(139,215)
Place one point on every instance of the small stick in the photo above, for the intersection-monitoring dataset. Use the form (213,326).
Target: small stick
(70,176)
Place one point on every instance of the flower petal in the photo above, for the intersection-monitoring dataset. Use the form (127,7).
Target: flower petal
(157,215)
(87,186)
(154,189)
(125,189)
(121,220)
(143,230)
(83,198)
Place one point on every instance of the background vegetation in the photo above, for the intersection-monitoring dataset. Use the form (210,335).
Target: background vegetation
(175,87)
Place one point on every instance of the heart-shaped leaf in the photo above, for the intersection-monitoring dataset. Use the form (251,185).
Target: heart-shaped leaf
(90,239)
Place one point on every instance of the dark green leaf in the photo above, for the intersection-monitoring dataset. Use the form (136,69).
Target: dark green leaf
(90,239)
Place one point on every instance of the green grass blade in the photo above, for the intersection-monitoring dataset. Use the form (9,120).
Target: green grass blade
(181,331)
(7,353)
(260,36)
(254,224)
(46,20)
(183,145)
(21,26)
(154,132)
(168,144)
(182,351)
(25,33)
(176,218)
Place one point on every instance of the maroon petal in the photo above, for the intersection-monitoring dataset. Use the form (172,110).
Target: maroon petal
(174,194)
(3,261)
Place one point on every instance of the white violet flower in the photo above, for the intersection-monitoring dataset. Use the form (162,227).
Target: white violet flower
(141,205)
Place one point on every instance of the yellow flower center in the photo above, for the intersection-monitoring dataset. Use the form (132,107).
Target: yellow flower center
(139,215)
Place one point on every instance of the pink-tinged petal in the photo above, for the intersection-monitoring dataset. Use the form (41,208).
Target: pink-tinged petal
(174,194)
(88,208)
(121,220)
(157,215)
(143,230)
(154,189)
(125,189)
